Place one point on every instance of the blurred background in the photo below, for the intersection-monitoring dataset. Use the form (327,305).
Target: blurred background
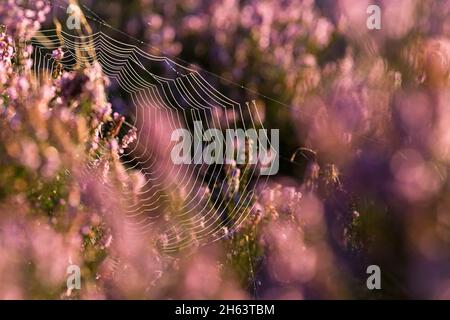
(364,152)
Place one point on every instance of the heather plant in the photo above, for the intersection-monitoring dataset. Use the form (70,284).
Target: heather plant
(363,118)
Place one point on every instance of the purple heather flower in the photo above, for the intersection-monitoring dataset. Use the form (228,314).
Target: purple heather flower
(58,54)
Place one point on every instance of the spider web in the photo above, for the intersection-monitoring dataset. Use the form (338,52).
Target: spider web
(166,95)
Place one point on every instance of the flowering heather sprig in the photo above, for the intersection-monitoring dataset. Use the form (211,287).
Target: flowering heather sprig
(6,47)
(129,138)
(83,87)
(23,18)
(374,119)
(58,54)
(6,55)
(45,129)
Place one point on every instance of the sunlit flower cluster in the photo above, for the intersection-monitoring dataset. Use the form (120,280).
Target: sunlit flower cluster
(363,114)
